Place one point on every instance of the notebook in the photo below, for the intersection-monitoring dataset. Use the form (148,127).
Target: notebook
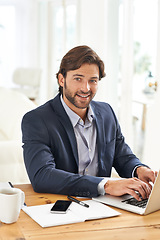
(127,202)
(76,213)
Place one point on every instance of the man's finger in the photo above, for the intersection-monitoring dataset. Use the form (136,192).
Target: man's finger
(134,194)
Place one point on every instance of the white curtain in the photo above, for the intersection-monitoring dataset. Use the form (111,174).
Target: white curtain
(127,72)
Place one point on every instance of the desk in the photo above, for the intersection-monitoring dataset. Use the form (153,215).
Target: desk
(128,226)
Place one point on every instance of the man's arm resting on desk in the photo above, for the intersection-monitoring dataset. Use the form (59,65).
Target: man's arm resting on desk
(48,179)
(53,169)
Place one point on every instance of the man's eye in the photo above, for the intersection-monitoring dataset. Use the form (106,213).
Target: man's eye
(77,79)
(93,81)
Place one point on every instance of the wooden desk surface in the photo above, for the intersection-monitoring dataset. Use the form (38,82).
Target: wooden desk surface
(127,226)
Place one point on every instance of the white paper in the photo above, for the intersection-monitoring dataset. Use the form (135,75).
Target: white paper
(76,213)
(96,210)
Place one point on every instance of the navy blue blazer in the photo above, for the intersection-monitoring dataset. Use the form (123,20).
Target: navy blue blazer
(51,156)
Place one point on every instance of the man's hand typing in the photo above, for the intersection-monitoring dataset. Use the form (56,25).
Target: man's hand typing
(146,175)
(132,186)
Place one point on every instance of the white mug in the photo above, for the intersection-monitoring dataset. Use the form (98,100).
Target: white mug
(11,202)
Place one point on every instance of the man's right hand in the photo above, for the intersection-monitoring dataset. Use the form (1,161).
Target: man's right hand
(132,186)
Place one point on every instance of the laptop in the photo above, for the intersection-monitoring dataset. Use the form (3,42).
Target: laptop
(127,202)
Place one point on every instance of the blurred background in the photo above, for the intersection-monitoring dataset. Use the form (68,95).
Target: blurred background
(35,35)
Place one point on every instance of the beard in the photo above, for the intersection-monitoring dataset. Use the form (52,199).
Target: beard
(74,98)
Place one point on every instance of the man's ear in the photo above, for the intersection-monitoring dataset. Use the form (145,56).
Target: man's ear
(61,79)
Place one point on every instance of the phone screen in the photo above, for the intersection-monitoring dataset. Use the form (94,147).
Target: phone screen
(60,206)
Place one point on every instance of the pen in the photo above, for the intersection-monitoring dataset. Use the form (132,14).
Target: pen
(11,184)
(79,202)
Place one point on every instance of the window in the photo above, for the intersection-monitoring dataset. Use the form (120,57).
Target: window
(138,20)
(145,40)
(64,28)
(7,44)
(57,36)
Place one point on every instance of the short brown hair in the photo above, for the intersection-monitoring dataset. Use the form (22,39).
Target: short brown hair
(78,56)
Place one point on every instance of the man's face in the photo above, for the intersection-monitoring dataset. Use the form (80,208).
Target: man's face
(80,86)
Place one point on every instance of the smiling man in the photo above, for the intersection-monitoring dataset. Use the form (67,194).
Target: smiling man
(71,142)
(80,88)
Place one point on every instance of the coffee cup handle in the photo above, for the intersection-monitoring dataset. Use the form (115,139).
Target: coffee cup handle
(22,199)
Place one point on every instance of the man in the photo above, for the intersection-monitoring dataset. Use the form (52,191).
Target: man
(71,143)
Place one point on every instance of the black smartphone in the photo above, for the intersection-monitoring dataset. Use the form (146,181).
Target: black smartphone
(60,206)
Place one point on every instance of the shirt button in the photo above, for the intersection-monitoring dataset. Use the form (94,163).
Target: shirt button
(89,149)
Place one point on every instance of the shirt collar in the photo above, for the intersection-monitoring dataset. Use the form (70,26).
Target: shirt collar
(73,116)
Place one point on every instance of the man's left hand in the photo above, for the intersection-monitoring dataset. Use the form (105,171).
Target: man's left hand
(146,174)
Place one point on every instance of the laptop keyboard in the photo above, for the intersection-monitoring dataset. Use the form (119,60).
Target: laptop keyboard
(134,202)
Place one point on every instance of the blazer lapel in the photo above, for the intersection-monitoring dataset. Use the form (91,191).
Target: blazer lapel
(65,121)
(100,140)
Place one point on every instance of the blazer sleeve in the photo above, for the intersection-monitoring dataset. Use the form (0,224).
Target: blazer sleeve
(41,167)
